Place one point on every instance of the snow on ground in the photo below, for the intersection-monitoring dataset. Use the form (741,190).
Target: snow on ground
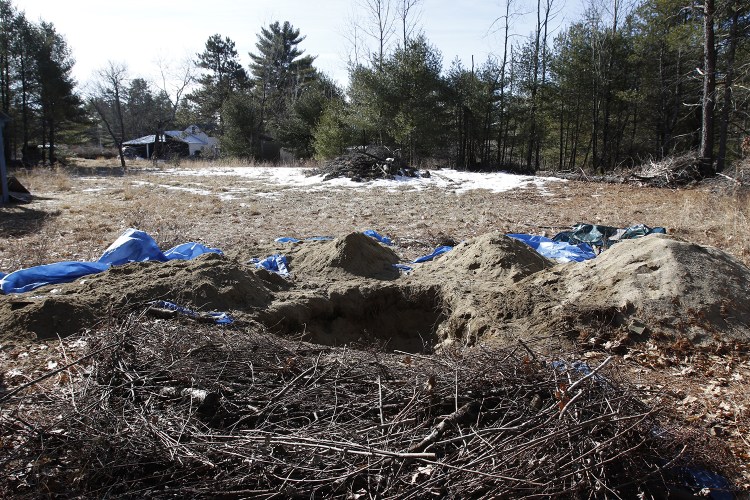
(449,180)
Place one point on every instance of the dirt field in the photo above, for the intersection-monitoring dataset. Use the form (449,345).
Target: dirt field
(671,312)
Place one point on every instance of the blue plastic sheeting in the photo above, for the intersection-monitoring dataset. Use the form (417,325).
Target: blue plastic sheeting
(558,250)
(289,239)
(369,232)
(29,279)
(220,318)
(641,230)
(604,236)
(132,246)
(374,235)
(580,366)
(403,267)
(435,253)
(189,251)
(275,263)
(138,246)
(718,486)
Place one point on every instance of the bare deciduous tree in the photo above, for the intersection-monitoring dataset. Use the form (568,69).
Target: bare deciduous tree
(408,12)
(175,81)
(105,96)
(379,24)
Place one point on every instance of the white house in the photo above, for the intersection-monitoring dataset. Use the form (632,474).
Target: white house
(189,142)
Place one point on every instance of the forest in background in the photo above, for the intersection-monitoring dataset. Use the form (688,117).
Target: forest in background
(623,84)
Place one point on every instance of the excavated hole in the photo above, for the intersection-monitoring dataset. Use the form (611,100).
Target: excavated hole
(390,317)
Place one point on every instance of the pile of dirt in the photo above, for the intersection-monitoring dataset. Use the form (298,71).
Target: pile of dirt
(490,257)
(354,255)
(360,313)
(207,283)
(347,290)
(671,285)
(655,287)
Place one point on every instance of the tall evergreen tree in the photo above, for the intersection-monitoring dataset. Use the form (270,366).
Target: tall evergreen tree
(8,17)
(58,101)
(222,77)
(280,71)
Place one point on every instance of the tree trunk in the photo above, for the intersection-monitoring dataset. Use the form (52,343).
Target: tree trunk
(728,80)
(709,91)
(534,87)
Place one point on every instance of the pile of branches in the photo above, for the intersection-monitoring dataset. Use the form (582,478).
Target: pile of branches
(671,172)
(164,409)
(365,164)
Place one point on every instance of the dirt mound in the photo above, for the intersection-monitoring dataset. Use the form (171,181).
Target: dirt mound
(388,315)
(492,256)
(491,286)
(671,284)
(652,287)
(207,283)
(354,254)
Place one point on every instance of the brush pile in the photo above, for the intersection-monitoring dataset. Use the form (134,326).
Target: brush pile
(170,409)
(671,172)
(366,164)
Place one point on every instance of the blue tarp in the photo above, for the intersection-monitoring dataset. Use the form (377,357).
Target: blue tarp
(558,250)
(374,235)
(368,232)
(275,263)
(289,239)
(132,246)
(700,480)
(220,318)
(604,236)
(435,253)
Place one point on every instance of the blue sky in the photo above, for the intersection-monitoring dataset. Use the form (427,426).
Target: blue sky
(140,32)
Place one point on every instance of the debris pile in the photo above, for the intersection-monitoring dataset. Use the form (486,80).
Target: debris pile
(366,164)
(671,172)
(157,410)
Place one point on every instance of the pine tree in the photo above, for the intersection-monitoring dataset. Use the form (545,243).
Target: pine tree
(59,102)
(280,72)
(223,77)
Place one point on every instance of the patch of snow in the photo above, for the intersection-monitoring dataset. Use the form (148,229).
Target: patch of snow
(298,178)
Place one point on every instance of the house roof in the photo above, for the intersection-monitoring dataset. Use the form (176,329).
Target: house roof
(177,135)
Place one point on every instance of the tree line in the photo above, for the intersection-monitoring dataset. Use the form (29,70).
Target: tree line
(622,84)
(36,88)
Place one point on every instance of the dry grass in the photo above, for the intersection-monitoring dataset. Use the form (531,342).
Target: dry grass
(91,211)
(76,218)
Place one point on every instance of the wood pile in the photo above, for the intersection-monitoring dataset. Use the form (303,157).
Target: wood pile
(163,409)
(671,172)
(366,164)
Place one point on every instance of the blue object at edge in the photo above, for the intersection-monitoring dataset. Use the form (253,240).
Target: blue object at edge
(132,246)
(376,236)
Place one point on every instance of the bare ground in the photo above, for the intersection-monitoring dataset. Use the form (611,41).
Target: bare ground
(693,361)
